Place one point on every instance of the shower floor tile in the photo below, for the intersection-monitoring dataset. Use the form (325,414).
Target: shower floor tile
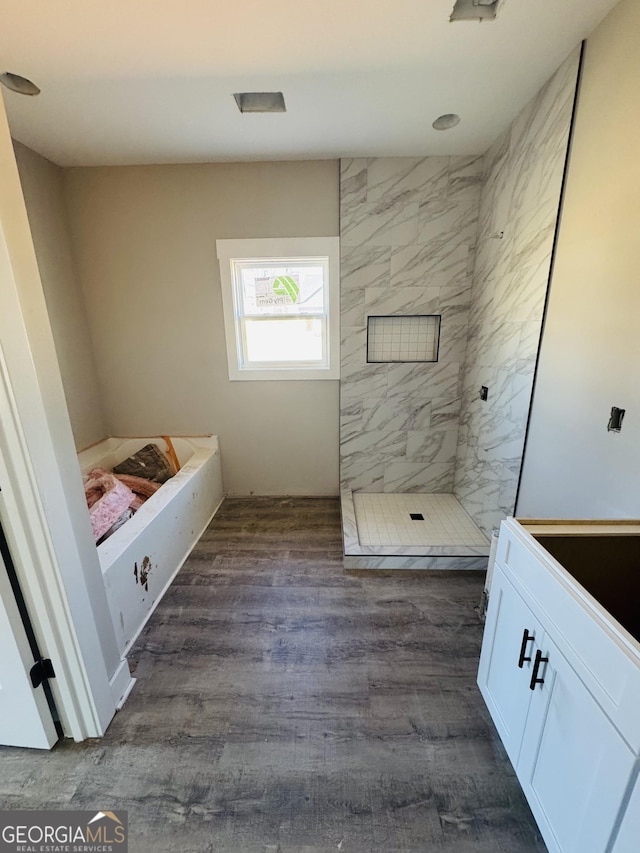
(386,520)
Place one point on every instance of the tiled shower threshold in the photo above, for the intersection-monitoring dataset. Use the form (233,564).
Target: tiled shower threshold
(410,531)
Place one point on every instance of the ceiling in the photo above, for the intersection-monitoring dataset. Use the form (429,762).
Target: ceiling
(151,81)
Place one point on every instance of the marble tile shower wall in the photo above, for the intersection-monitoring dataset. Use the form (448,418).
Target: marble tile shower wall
(520,199)
(407,232)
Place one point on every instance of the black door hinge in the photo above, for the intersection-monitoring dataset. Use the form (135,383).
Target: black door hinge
(41,670)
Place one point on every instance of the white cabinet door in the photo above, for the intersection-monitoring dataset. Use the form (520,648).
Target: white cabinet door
(574,767)
(628,837)
(509,645)
(25,719)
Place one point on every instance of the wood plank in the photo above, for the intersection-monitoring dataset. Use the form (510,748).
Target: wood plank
(284,705)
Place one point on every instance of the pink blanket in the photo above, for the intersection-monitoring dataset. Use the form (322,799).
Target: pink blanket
(107,499)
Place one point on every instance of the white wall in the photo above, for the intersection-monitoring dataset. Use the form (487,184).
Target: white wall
(590,357)
(43,194)
(145,244)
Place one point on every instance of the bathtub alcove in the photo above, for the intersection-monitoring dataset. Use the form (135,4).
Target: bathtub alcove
(140,559)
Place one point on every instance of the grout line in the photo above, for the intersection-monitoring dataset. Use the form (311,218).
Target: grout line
(383,519)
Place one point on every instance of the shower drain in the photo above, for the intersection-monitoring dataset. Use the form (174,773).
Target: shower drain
(416,516)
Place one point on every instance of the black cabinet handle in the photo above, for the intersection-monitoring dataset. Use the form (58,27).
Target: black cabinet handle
(536,666)
(523,648)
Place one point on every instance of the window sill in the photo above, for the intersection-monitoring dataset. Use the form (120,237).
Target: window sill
(279,374)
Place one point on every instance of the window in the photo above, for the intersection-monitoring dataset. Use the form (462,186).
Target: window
(280,300)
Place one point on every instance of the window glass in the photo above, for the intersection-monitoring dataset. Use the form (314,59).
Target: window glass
(268,289)
(284,340)
(281,307)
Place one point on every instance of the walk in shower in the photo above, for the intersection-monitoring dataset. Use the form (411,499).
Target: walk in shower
(445,264)
(427,531)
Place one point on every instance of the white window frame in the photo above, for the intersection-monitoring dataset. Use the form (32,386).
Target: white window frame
(290,250)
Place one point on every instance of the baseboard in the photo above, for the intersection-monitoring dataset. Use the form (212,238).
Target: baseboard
(121,684)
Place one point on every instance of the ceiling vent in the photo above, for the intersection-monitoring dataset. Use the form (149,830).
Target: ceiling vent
(18,84)
(260,102)
(474,10)
(446,121)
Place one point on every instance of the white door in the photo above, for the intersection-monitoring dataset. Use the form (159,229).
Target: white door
(508,649)
(25,719)
(574,767)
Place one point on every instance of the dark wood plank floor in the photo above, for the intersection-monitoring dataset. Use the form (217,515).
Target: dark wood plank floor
(285,706)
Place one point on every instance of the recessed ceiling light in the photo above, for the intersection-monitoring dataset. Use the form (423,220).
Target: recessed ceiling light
(260,102)
(474,10)
(18,84)
(446,121)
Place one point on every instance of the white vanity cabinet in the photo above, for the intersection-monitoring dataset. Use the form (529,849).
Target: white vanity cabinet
(561,679)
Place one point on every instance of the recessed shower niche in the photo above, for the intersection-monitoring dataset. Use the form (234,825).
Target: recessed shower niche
(403,338)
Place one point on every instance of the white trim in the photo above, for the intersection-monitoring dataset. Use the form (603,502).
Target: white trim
(36,566)
(281,247)
(42,501)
